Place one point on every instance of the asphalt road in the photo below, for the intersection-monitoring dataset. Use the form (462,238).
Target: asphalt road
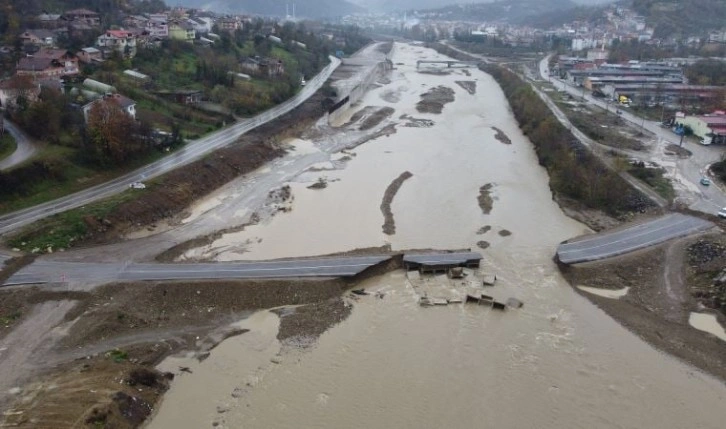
(26,147)
(609,244)
(97,273)
(192,151)
(707,199)
(442,258)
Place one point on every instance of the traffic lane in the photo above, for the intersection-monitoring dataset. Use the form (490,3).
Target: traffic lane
(51,272)
(603,250)
(615,249)
(633,231)
(666,227)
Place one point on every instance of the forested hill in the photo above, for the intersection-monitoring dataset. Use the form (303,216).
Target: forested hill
(506,10)
(15,13)
(303,8)
(682,17)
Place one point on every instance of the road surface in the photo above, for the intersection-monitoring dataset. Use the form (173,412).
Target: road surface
(25,150)
(442,258)
(191,152)
(98,273)
(686,172)
(609,244)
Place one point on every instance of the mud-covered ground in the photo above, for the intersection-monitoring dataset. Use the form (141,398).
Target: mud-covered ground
(100,374)
(434,100)
(658,303)
(389,224)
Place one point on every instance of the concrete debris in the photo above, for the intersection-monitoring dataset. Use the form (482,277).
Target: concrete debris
(489,279)
(514,303)
(499,305)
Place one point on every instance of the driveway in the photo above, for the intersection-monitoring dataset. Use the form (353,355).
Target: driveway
(26,149)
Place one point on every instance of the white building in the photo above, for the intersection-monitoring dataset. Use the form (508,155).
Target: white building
(120,41)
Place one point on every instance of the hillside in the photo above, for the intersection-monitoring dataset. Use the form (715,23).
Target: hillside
(303,8)
(506,10)
(682,18)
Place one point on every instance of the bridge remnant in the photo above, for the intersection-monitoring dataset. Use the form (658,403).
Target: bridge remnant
(609,244)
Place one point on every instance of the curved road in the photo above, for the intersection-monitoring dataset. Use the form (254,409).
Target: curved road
(25,150)
(191,152)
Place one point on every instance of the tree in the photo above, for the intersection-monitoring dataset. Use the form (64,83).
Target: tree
(112,133)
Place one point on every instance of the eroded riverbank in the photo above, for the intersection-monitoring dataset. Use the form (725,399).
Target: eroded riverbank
(566,360)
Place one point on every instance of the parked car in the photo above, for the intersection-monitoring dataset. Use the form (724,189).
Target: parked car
(722,213)
(137,185)
(705,181)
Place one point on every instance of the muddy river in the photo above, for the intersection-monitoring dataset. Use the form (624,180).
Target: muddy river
(558,362)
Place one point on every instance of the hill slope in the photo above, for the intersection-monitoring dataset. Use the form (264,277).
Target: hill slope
(303,8)
(682,18)
(505,10)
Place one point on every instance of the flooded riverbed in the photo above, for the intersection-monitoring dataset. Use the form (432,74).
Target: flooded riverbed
(557,362)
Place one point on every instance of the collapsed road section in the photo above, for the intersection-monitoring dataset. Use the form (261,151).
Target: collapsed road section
(66,272)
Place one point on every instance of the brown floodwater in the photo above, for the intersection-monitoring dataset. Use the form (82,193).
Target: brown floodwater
(558,362)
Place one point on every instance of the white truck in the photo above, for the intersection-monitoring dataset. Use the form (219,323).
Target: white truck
(706,140)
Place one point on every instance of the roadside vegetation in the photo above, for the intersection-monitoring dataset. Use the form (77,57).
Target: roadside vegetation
(7,145)
(653,177)
(603,127)
(574,172)
(166,196)
(106,143)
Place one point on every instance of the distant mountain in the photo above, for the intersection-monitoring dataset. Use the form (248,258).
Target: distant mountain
(388,5)
(513,11)
(682,17)
(303,8)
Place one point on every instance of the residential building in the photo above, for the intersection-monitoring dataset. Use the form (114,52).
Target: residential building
(229,24)
(135,21)
(182,96)
(89,55)
(127,105)
(269,67)
(82,16)
(48,63)
(181,30)
(49,20)
(39,37)
(121,41)
(202,25)
(157,26)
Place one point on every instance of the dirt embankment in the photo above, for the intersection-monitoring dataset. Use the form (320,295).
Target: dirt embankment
(101,373)
(657,305)
(501,136)
(389,224)
(486,202)
(434,100)
(468,85)
(173,192)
